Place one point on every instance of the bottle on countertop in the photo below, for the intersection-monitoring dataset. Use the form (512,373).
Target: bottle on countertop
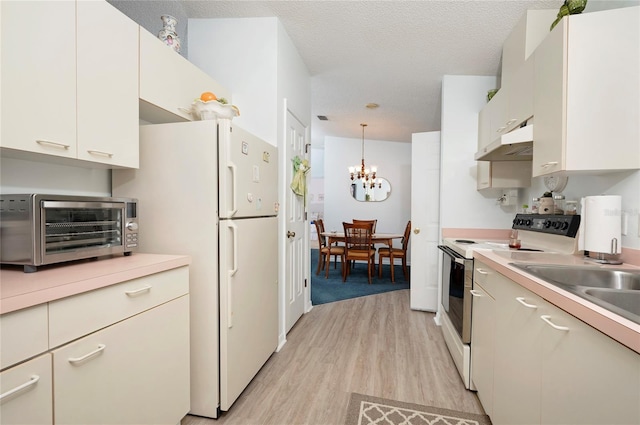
(535,206)
(558,204)
(571,208)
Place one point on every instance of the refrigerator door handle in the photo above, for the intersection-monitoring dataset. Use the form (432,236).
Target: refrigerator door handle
(234,230)
(232,167)
(232,272)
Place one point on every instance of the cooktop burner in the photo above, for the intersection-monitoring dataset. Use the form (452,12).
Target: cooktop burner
(464,241)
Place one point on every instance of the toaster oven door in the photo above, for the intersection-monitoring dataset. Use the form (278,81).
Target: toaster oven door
(74,230)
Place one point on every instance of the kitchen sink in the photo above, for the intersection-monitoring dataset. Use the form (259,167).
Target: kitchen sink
(591,276)
(626,300)
(615,289)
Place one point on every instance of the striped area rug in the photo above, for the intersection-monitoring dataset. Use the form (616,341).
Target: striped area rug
(367,410)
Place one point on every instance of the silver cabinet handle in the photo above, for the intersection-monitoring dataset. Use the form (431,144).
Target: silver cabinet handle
(524,303)
(80,359)
(137,292)
(32,381)
(53,144)
(482,271)
(549,164)
(547,319)
(100,153)
(475,293)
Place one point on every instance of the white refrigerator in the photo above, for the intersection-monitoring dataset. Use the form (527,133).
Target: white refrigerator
(210,190)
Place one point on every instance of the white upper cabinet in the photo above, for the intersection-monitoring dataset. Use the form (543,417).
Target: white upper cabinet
(523,40)
(587,94)
(70,81)
(513,104)
(492,119)
(107,61)
(38,79)
(169,83)
(503,174)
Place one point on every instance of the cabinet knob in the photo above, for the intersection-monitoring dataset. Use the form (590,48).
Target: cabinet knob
(416,230)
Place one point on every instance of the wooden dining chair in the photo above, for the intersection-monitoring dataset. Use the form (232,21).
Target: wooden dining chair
(326,251)
(391,253)
(373,222)
(358,247)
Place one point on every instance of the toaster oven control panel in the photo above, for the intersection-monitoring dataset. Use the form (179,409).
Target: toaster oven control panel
(131,227)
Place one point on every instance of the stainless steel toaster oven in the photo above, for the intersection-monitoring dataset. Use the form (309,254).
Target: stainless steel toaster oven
(38,229)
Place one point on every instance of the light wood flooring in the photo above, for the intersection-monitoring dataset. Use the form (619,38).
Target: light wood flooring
(374,345)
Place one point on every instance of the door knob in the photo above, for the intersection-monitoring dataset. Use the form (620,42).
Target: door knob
(416,230)
(291,234)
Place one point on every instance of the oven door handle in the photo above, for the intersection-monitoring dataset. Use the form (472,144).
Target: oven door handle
(451,253)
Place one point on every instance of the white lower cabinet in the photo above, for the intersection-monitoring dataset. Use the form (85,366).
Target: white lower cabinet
(115,355)
(26,393)
(549,367)
(518,331)
(587,378)
(482,354)
(136,371)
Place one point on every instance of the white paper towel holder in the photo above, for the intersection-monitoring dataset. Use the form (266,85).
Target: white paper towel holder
(611,237)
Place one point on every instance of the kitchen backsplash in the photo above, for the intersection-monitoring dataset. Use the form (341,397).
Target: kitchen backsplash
(625,184)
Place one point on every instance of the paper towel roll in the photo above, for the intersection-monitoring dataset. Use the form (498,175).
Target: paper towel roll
(603,224)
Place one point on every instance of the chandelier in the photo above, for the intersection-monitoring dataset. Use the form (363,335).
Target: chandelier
(365,175)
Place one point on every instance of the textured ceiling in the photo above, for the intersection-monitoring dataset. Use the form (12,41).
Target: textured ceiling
(393,53)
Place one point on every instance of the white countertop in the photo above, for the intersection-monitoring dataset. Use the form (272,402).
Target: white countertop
(20,290)
(615,326)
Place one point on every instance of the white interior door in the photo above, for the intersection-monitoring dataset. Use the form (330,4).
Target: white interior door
(297,250)
(425,220)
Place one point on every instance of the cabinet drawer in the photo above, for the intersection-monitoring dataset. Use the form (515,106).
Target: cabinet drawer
(73,317)
(484,276)
(27,392)
(23,334)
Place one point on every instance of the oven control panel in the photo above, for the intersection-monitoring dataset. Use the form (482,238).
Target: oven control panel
(563,225)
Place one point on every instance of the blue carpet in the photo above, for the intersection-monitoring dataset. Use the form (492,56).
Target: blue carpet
(357,285)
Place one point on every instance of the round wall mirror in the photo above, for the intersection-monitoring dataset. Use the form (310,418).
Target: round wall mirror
(378,193)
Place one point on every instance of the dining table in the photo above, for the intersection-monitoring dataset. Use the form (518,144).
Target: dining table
(383,238)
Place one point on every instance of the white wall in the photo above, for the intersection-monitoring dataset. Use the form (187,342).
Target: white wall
(256,60)
(394,163)
(23,176)
(220,47)
(461,205)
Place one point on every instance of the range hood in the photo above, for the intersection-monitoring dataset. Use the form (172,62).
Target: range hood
(517,145)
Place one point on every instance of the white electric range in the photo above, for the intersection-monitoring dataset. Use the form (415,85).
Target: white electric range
(540,235)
